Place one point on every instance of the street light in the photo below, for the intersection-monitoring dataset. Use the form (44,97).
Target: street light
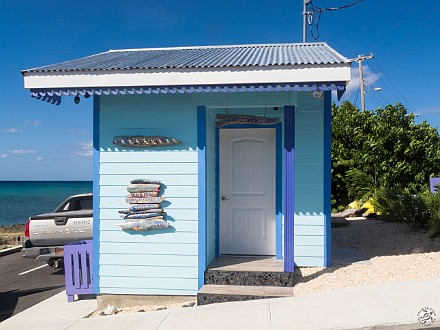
(377,89)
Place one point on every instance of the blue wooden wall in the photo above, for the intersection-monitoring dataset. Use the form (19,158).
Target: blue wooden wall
(160,261)
(310,198)
(166,262)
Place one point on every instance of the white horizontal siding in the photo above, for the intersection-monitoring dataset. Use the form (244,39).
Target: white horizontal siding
(167,190)
(119,203)
(180,226)
(301,230)
(309,251)
(160,261)
(152,236)
(135,259)
(136,282)
(169,179)
(309,182)
(148,291)
(150,169)
(148,248)
(176,213)
(309,240)
(150,271)
(144,117)
(150,156)
(309,220)
(306,261)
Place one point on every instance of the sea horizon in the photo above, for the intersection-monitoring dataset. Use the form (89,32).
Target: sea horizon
(20,199)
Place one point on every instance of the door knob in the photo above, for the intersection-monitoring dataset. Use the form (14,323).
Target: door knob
(224,198)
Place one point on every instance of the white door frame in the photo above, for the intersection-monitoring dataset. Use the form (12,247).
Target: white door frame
(271,227)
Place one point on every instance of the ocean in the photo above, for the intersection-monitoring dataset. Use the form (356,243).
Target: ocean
(21,199)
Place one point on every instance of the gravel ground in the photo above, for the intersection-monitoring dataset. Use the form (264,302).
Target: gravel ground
(146,308)
(396,253)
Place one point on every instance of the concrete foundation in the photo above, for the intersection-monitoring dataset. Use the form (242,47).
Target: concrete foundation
(120,301)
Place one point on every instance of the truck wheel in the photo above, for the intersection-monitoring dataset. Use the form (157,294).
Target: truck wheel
(56,263)
(51,262)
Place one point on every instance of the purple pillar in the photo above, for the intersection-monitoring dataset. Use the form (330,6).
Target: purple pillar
(289,187)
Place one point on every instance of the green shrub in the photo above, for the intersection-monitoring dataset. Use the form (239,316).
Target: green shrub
(432,202)
(401,205)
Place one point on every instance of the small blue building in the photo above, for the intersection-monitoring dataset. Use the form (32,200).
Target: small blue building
(250,176)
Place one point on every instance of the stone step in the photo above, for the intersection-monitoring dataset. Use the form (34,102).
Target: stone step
(249,278)
(210,294)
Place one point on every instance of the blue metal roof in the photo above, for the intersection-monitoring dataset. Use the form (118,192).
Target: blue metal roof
(203,57)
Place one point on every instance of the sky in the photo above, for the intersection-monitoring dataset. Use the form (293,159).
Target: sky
(41,141)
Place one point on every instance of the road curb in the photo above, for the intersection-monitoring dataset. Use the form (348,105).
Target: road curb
(10,250)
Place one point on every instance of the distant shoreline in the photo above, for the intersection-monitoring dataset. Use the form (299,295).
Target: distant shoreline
(19,227)
(11,235)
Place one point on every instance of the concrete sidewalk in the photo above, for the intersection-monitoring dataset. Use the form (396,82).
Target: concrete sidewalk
(353,308)
(54,313)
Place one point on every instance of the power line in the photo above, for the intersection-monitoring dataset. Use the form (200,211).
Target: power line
(312,15)
(340,7)
(392,84)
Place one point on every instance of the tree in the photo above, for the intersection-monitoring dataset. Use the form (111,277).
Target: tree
(381,148)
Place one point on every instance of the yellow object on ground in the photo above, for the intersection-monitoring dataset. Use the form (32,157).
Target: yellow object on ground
(368,205)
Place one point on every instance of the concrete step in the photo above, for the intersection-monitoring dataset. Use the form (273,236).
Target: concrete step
(249,278)
(210,293)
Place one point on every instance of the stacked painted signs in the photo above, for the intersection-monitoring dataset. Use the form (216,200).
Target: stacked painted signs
(145,211)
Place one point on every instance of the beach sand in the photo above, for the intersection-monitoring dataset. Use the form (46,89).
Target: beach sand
(11,235)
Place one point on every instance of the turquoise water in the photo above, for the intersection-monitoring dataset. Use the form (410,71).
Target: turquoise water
(21,199)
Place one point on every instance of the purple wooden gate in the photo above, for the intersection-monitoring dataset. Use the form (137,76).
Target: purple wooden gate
(433,182)
(78,266)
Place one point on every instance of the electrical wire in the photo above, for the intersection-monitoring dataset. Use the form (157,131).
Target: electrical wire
(395,88)
(340,7)
(314,15)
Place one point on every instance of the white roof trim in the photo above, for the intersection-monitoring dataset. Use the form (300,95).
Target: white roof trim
(178,77)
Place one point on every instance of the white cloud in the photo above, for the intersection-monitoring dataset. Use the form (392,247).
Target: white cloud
(370,78)
(12,130)
(22,152)
(3,156)
(430,110)
(84,149)
(39,159)
(34,123)
(75,131)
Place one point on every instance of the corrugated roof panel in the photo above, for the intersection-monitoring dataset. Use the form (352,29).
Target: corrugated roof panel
(203,57)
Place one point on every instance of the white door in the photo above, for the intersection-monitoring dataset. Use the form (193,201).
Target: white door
(247,191)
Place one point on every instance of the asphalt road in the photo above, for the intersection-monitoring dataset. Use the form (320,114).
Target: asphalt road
(20,289)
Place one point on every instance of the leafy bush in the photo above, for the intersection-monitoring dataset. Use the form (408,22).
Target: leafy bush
(401,205)
(380,148)
(418,210)
(432,202)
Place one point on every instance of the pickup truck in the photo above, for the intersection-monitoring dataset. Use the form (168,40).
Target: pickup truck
(46,234)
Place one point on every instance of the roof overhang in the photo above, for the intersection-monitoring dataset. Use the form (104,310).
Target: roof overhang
(179,77)
(53,95)
(50,86)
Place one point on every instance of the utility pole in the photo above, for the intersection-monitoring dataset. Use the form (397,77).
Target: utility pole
(360,59)
(305,19)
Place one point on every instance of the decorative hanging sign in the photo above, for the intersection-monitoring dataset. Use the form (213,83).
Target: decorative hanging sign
(144,212)
(244,119)
(144,141)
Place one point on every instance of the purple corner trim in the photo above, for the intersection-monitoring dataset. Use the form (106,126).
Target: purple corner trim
(289,187)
